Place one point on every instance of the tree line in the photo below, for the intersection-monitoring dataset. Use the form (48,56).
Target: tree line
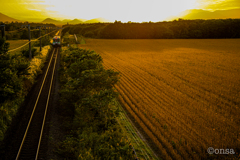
(87,95)
(17,25)
(14,30)
(183,29)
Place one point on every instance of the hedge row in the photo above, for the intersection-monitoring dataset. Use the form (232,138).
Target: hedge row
(86,96)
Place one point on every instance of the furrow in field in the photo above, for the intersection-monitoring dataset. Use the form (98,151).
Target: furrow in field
(181,91)
(207,104)
(223,116)
(148,126)
(204,102)
(204,93)
(150,106)
(162,150)
(145,82)
(128,99)
(194,124)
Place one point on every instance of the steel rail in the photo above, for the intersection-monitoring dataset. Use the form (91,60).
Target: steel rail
(49,93)
(20,148)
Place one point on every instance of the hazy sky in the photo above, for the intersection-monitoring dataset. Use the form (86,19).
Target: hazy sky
(122,10)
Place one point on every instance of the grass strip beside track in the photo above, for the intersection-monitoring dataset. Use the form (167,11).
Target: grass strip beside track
(142,149)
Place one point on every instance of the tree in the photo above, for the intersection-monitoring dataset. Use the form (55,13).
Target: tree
(12,69)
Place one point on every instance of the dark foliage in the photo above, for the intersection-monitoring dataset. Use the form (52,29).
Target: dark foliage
(215,28)
(86,96)
(12,68)
(14,30)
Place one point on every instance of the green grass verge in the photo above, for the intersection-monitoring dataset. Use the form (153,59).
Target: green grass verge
(16,43)
(143,151)
(81,40)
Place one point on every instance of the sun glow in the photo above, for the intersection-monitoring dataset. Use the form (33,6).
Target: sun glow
(124,10)
(121,10)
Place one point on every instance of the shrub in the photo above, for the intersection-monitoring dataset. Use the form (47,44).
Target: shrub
(25,52)
(86,94)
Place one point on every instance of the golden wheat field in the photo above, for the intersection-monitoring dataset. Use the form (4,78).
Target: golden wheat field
(185,94)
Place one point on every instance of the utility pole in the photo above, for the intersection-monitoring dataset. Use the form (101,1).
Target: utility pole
(40,38)
(29,37)
(3,30)
(45,33)
(48,32)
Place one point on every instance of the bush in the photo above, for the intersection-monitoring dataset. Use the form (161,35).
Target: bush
(13,71)
(86,96)
(25,52)
(89,34)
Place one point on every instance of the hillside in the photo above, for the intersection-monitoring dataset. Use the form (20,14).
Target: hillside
(205,14)
(50,20)
(97,20)
(74,21)
(5,18)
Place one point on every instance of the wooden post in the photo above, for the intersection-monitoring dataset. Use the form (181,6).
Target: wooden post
(29,37)
(3,34)
(3,30)
(48,32)
(40,39)
(45,33)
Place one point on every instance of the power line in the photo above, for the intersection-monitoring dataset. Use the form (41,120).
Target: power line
(29,42)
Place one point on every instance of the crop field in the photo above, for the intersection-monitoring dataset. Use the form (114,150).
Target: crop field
(16,43)
(183,93)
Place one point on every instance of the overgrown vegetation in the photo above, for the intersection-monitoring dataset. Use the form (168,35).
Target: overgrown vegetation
(17,75)
(86,97)
(215,28)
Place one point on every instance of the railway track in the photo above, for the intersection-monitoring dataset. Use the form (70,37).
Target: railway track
(28,137)
(31,141)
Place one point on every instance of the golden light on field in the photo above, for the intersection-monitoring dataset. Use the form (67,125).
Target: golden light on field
(124,10)
(183,93)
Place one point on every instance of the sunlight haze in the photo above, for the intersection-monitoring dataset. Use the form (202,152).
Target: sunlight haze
(124,10)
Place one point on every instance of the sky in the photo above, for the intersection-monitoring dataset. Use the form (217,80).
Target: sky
(121,10)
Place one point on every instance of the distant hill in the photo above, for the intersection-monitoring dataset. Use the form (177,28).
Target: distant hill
(204,14)
(75,21)
(50,20)
(96,20)
(5,18)
(66,20)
